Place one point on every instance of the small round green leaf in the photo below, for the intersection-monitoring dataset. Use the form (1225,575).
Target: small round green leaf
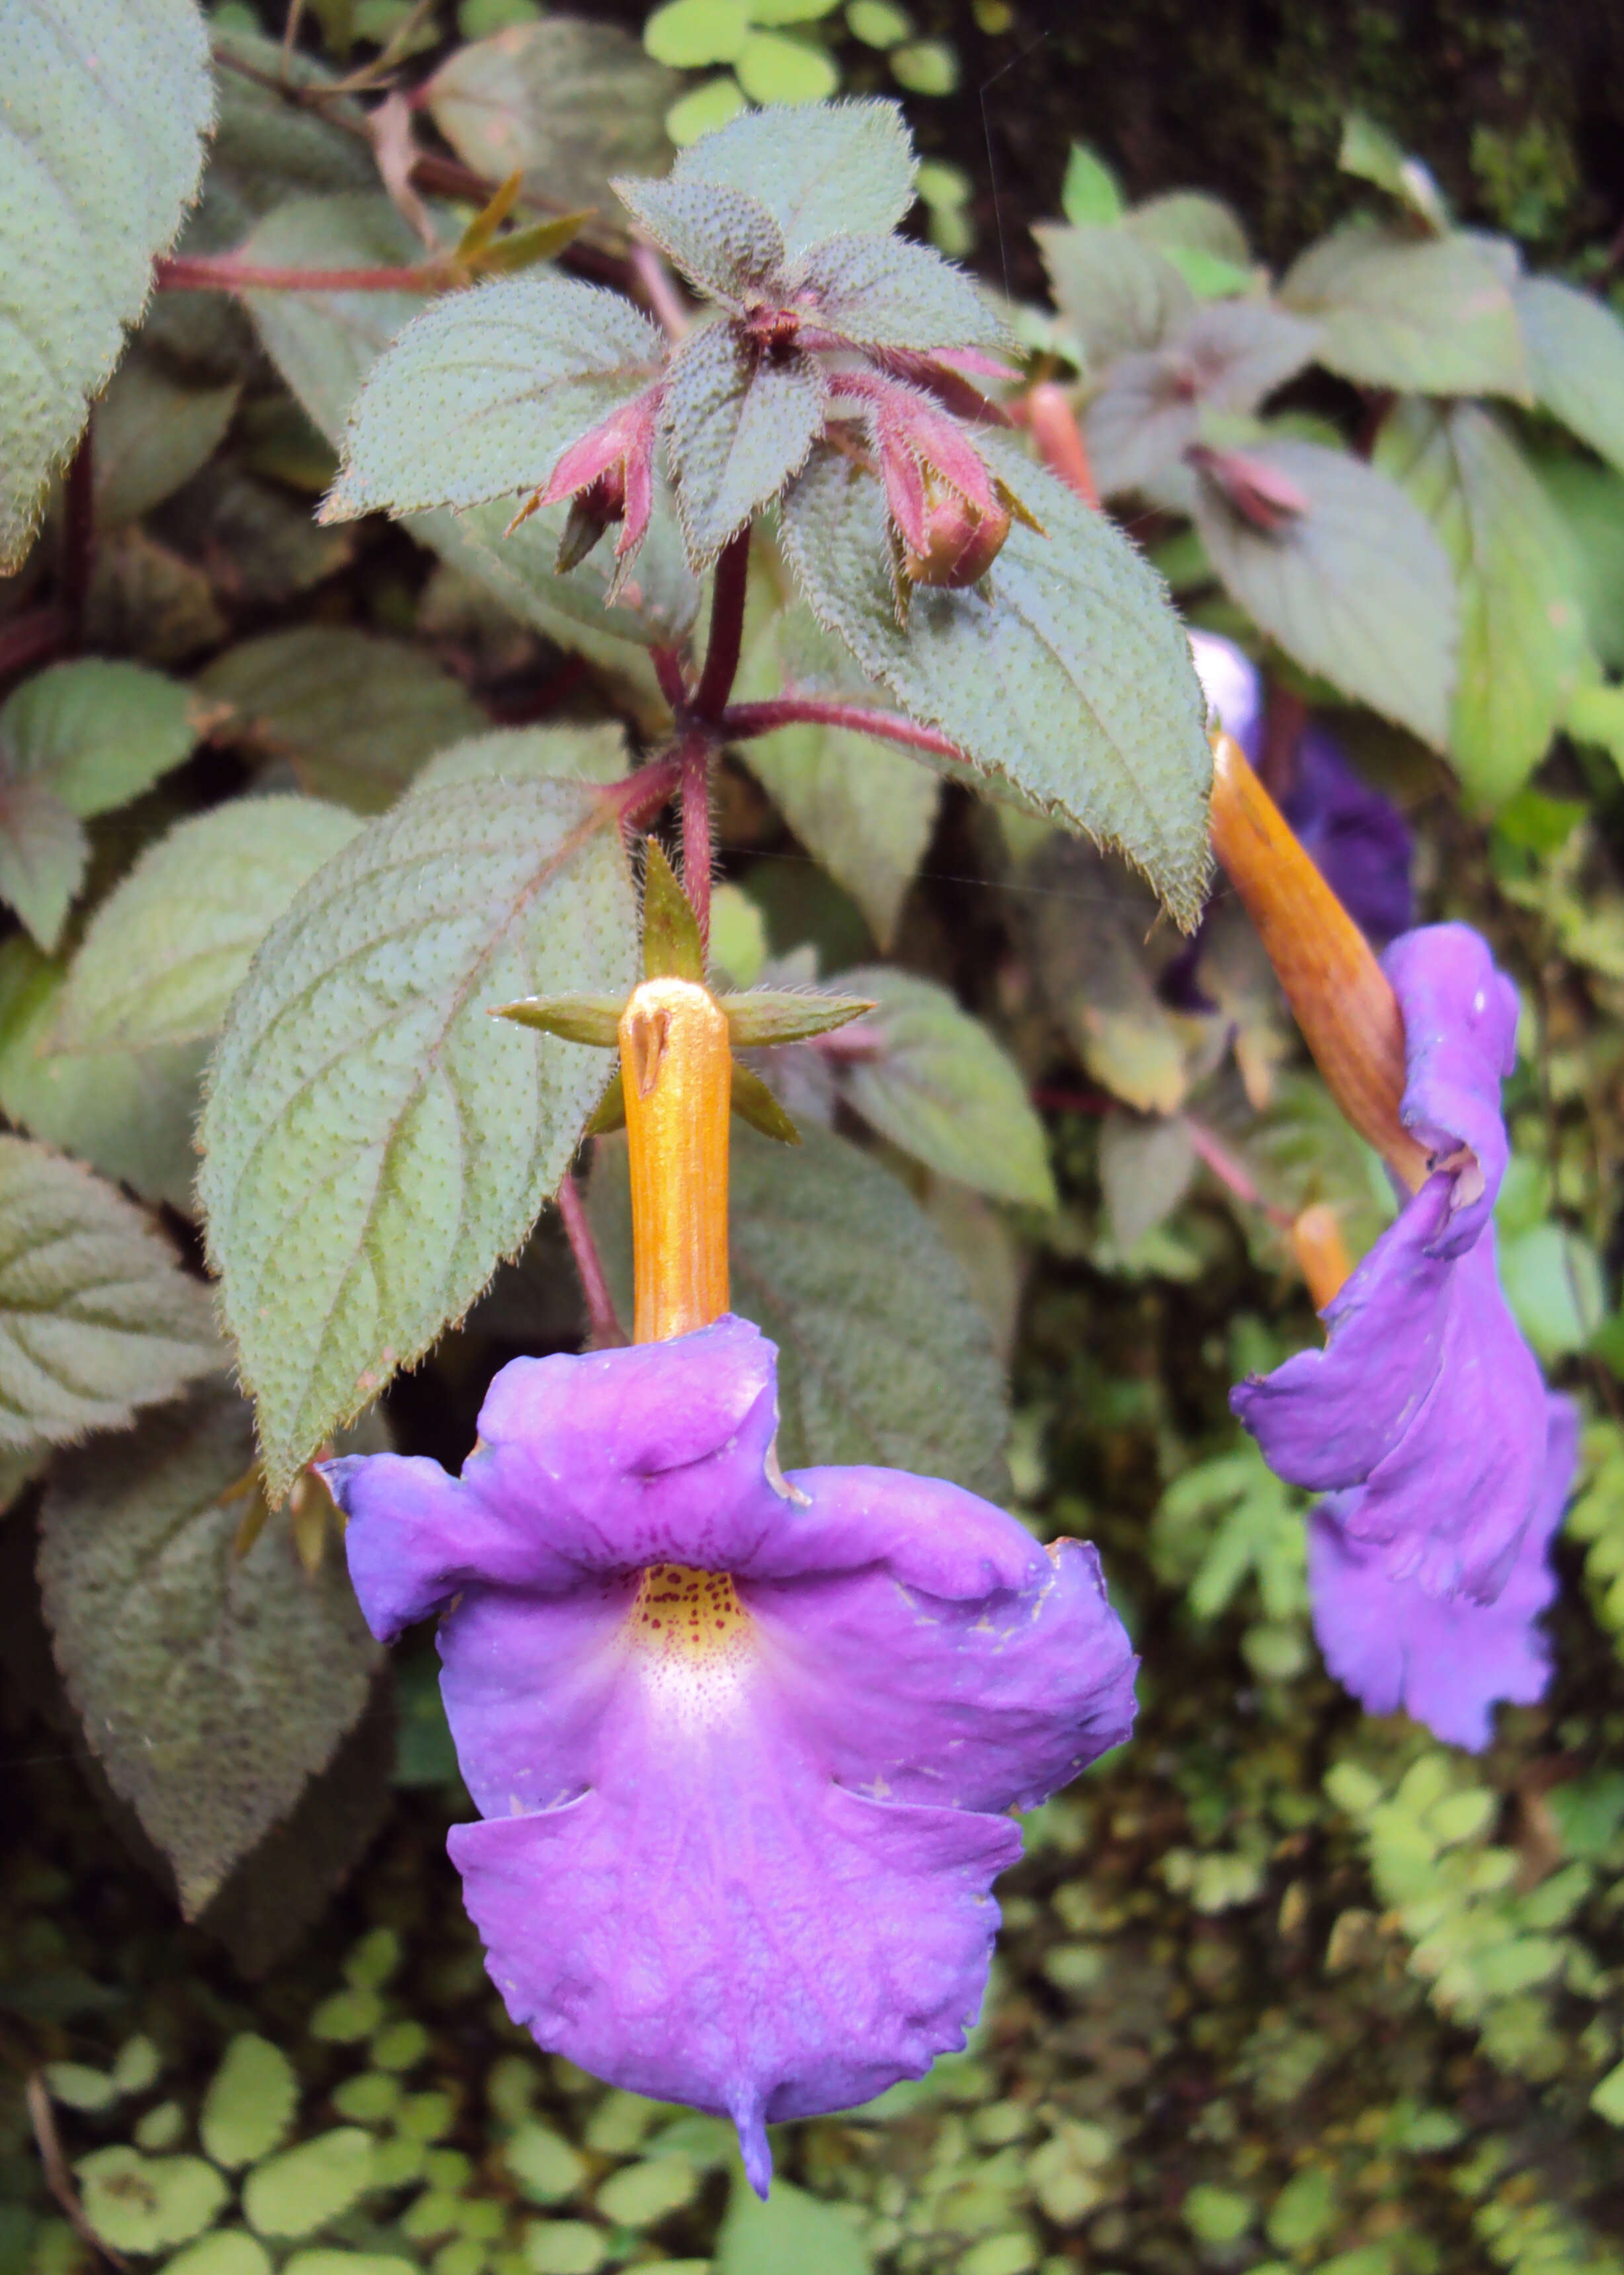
(639,2196)
(877,23)
(299,2191)
(563,2247)
(347,2017)
(77,2086)
(226,2251)
(250,2104)
(367,2099)
(776,67)
(347,2263)
(147,2203)
(925,67)
(160,2127)
(701,112)
(546,2166)
(689,33)
(399,2046)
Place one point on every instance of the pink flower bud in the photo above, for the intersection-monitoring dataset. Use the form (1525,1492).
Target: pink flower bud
(961,538)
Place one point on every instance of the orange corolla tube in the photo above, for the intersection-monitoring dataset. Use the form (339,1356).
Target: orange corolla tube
(1321,1252)
(1342,998)
(676,1071)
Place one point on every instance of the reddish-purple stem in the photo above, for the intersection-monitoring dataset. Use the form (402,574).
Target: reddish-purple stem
(695,764)
(740,721)
(673,679)
(607,1332)
(80,533)
(660,287)
(1230,1173)
(224,272)
(727,629)
(643,792)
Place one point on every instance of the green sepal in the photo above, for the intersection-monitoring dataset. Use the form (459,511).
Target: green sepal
(610,1113)
(757,1016)
(576,1018)
(538,240)
(672,947)
(754,1102)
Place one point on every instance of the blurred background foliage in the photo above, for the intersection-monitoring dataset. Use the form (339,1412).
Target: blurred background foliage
(1282,1988)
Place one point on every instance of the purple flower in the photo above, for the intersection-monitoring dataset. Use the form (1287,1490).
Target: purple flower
(1425,1413)
(743,1746)
(1446,1661)
(1357,839)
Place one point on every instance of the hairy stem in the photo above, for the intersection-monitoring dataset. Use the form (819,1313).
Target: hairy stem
(740,721)
(607,1332)
(224,272)
(727,628)
(643,792)
(673,679)
(696,764)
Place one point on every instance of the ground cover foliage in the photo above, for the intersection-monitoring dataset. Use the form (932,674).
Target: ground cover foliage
(289,799)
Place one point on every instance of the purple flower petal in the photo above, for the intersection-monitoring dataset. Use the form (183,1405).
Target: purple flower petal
(1460,1043)
(1426,1399)
(1446,1664)
(744,1746)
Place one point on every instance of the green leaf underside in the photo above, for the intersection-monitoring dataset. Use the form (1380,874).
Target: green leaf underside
(1575,354)
(1087,923)
(356,715)
(672,947)
(129,81)
(1115,293)
(1099,719)
(1434,315)
(1190,221)
(128,1113)
(884,1355)
(1145,1169)
(168,949)
(212,1685)
(864,812)
(565,102)
(374,1143)
(842,166)
(740,426)
(152,434)
(95,734)
(324,343)
(484,390)
(587,753)
(1522,637)
(1357,588)
(725,242)
(1229,356)
(941,1089)
(97,1316)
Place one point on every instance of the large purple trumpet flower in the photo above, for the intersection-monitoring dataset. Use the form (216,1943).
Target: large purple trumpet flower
(743,1746)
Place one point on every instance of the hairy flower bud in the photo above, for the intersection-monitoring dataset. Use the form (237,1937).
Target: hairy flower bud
(961,538)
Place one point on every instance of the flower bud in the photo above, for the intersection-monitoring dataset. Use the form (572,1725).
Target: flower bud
(591,510)
(961,538)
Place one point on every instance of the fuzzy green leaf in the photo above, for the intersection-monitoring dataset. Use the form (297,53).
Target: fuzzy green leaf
(1098,717)
(565,101)
(168,949)
(889,292)
(152,434)
(212,1685)
(724,241)
(1357,587)
(356,717)
(43,851)
(300,2190)
(374,1143)
(481,394)
(884,1355)
(939,1086)
(792,2233)
(595,754)
(101,144)
(1115,292)
(1523,638)
(1575,353)
(250,2102)
(324,343)
(819,171)
(128,1113)
(592,1019)
(148,2203)
(1146,1164)
(97,1316)
(1369,151)
(1090,192)
(740,427)
(754,1104)
(1191,222)
(95,734)
(864,812)
(1430,316)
